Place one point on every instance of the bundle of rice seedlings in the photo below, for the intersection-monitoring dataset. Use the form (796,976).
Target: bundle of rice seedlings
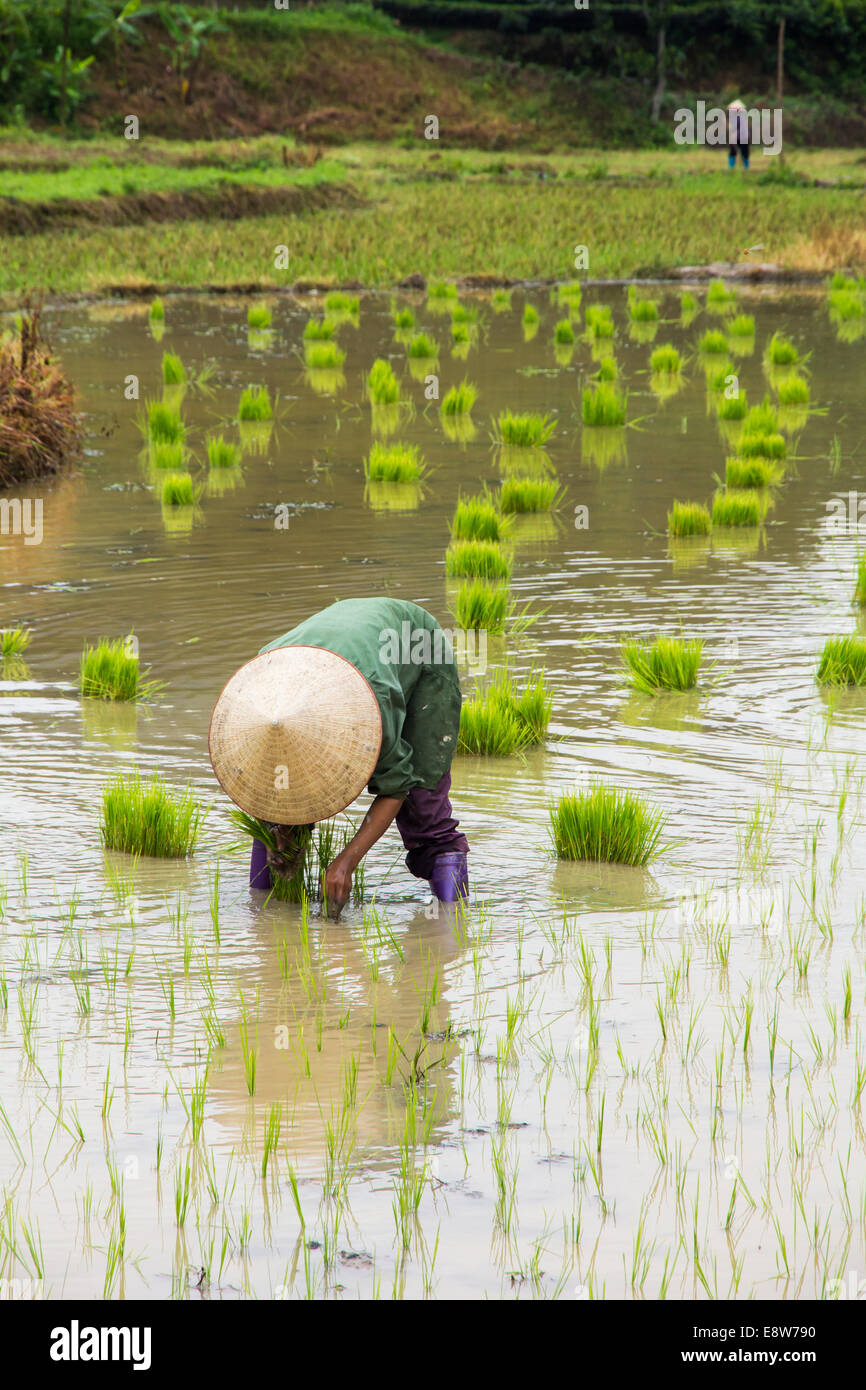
(323,356)
(500,301)
(178,490)
(165,455)
(843,661)
(596,315)
(259,316)
(534,706)
(563,332)
(688,519)
(173,370)
(767,446)
(149,818)
(490,729)
(762,419)
(110,671)
(530,315)
(713,342)
(525,431)
(847,304)
(840,281)
(860,585)
(156,313)
(570,294)
(603,405)
(164,425)
(222,453)
(520,495)
(781,352)
(688,307)
(460,399)
(345,305)
(319,330)
(477,560)
(463,313)
(732,407)
(481,606)
(718,375)
(383,388)
(641,310)
(666,359)
(14,640)
(422,346)
(476,519)
(668,663)
(393,463)
(743,326)
(403,318)
(607,369)
(255,404)
(720,295)
(438,289)
(752,472)
(735,507)
(793,390)
(605,825)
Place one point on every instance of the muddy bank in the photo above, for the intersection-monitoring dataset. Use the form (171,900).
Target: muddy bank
(229,204)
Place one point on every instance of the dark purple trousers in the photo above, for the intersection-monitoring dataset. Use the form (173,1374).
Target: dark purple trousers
(427,827)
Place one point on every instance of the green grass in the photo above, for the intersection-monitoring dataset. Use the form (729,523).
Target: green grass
(718,294)
(481,606)
(173,370)
(476,519)
(323,355)
(222,453)
(178,490)
(477,560)
(781,352)
(751,472)
(793,390)
(768,446)
(603,405)
(403,318)
(530,314)
(383,388)
(563,331)
(743,326)
(460,399)
(110,671)
(319,330)
(503,720)
(847,304)
(259,316)
(525,431)
(737,507)
(668,663)
(165,455)
(860,585)
(14,640)
(337,302)
(164,425)
(688,519)
(713,342)
(606,825)
(422,346)
(843,661)
(733,407)
(393,463)
(149,818)
(666,359)
(528,495)
(156,313)
(255,404)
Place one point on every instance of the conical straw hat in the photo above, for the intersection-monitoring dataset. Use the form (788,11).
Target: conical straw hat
(295,735)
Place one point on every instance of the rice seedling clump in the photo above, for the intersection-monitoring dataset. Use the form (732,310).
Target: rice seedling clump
(668,663)
(337,302)
(173,370)
(259,316)
(222,453)
(688,519)
(460,399)
(178,490)
(481,606)
(527,495)
(255,404)
(14,640)
(165,455)
(733,407)
(641,310)
(423,346)
(737,507)
(501,300)
(526,431)
(404,318)
(605,825)
(713,342)
(762,419)
(743,326)
(503,720)
(781,352)
(751,472)
(164,425)
(718,293)
(563,331)
(440,290)
(793,390)
(323,355)
(530,314)
(476,519)
(603,405)
(477,560)
(383,387)
(319,330)
(667,359)
(607,369)
(156,313)
(843,661)
(393,463)
(149,818)
(766,446)
(110,671)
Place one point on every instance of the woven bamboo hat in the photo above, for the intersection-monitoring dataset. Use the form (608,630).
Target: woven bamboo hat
(295,735)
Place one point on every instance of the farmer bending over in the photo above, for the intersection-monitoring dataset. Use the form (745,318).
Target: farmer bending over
(364,693)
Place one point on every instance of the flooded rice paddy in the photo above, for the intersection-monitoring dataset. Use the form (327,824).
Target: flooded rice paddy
(599,1082)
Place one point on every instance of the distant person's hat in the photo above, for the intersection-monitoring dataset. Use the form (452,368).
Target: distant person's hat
(736,105)
(295,735)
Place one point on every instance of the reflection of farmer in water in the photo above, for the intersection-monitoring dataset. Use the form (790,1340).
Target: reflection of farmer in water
(738,134)
(341,702)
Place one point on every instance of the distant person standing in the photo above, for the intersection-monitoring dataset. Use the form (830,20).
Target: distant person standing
(738,134)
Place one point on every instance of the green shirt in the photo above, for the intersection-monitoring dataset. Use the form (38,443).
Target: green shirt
(409,663)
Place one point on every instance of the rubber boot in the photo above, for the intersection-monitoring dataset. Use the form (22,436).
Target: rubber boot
(260,873)
(449,881)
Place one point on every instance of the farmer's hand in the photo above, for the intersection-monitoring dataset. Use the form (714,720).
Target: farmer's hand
(291,847)
(337,885)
